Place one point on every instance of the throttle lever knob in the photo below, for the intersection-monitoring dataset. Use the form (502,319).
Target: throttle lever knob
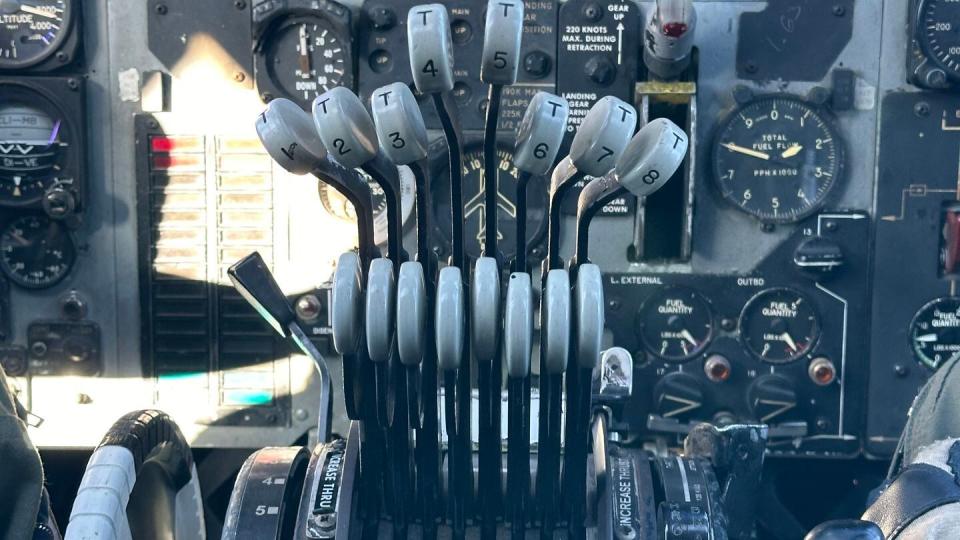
(430,46)
(345,127)
(652,157)
(603,135)
(541,133)
(399,123)
(289,136)
(501,42)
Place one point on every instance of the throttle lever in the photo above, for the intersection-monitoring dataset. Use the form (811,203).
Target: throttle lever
(254,281)
(517,345)
(538,141)
(649,161)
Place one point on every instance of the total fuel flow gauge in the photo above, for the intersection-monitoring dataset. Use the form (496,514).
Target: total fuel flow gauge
(777,158)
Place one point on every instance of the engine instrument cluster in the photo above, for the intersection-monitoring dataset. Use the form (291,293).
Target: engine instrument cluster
(799,269)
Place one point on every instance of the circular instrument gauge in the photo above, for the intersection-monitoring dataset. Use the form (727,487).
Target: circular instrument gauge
(32,149)
(779,326)
(474,209)
(338,206)
(30,31)
(676,324)
(935,332)
(304,58)
(939,34)
(777,158)
(36,252)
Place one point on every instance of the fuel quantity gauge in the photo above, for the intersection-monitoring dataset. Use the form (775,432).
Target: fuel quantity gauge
(675,324)
(935,332)
(779,326)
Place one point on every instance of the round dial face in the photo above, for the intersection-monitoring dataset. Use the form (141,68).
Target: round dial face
(305,58)
(31,30)
(935,332)
(779,326)
(32,148)
(474,209)
(676,324)
(36,252)
(777,158)
(939,34)
(338,206)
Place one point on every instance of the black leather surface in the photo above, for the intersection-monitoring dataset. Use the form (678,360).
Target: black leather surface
(845,529)
(917,490)
(935,414)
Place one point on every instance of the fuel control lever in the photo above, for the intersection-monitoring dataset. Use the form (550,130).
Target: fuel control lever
(254,281)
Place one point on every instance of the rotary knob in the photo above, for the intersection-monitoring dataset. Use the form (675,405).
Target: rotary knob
(771,398)
(678,396)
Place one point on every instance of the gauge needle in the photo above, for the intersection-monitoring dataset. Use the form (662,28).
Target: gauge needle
(926,338)
(792,151)
(38,12)
(789,341)
(20,240)
(746,151)
(685,334)
(304,54)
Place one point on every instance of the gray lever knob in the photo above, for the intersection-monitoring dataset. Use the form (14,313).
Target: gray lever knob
(347,308)
(485,308)
(518,325)
(431,48)
(345,127)
(449,320)
(541,133)
(411,313)
(603,135)
(589,306)
(380,308)
(652,156)
(502,34)
(400,128)
(556,324)
(288,134)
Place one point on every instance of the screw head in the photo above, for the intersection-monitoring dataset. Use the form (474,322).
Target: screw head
(161,9)
(921,109)
(239,76)
(750,66)
(240,4)
(839,10)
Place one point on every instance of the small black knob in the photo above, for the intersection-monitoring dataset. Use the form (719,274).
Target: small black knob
(537,64)
(771,398)
(382,18)
(678,396)
(818,256)
(600,70)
